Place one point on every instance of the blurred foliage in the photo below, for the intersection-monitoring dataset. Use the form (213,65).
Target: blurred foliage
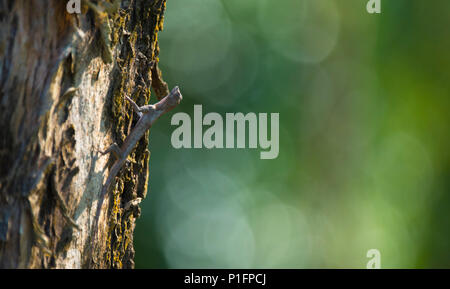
(364,139)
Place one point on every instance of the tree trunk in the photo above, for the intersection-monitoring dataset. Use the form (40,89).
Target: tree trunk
(63,79)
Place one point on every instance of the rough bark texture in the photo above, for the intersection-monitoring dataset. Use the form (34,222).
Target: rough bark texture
(63,78)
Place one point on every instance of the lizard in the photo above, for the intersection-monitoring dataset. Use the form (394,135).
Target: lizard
(148,114)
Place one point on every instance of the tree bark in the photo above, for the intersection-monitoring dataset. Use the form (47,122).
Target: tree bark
(63,79)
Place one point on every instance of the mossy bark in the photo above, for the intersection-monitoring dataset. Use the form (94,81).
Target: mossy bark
(63,78)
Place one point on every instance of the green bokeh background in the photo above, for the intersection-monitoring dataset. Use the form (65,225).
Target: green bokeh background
(364,103)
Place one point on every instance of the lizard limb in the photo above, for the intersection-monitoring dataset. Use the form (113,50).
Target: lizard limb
(114,148)
(140,109)
(136,108)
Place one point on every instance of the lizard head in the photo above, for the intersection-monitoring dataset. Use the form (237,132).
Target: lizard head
(175,95)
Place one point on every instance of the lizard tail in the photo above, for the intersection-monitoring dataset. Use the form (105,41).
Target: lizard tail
(112,175)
